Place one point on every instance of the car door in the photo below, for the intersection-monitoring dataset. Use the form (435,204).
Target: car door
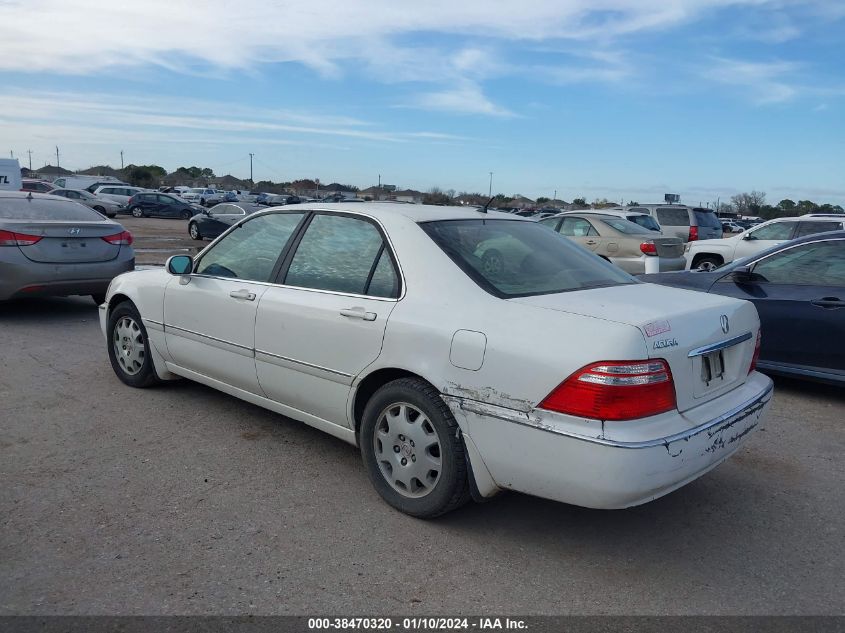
(210,314)
(580,230)
(799,293)
(325,322)
(754,241)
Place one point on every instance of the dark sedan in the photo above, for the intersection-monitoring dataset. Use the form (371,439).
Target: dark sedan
(165,205)
(278,201)
(798,288)
(209,223)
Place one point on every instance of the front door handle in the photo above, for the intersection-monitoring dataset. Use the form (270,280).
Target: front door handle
(244,295)
(358,313)
(592,242)
(829,302)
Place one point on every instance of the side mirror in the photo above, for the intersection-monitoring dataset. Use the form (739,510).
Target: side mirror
(180,265)
(742,275)
(748,236)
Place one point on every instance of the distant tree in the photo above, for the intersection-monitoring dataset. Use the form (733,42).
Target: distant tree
(633,203)
(602,203)
(579,202)
(435,196)
(786,204)
(830,208)
(726,208)
(542,200)
(806,206)
(749,203)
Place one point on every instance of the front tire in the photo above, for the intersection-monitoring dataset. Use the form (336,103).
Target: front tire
(185,215)
(194,231)
(137,212)
(129,349)
(411,446)
(99,299)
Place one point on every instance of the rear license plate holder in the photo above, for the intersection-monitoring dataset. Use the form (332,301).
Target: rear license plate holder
(713,367)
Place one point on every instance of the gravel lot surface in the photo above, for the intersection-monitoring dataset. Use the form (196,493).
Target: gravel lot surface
(182,500)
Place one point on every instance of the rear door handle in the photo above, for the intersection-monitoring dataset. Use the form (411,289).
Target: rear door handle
(829,302)
(244,295)
(358,313)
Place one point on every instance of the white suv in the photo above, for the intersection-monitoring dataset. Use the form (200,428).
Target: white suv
(710,254)
(203,195)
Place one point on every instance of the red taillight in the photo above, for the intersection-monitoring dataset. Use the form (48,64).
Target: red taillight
(693,233)
(7,238)
(615,390)
(756,356)
(648,248)
(119,239)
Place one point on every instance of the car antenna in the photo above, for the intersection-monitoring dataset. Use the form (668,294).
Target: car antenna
(484,208)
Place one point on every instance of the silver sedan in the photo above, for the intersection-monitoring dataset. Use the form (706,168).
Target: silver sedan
(51,246)
(108,208)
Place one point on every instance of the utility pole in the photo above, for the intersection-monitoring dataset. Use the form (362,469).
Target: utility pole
(490,190)
(29,151)
(121,159)
(555,196)
(57,159)
(250,166)
(11,154)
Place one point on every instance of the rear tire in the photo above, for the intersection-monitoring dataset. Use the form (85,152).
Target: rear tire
(428,475)
(194,231)
(128,347)
(185,215)
(137,212)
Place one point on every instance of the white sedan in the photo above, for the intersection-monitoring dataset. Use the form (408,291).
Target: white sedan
(557,374)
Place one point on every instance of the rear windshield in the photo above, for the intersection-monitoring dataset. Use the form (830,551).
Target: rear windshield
(705,217)
(40,209)
(673,216)
(645,221)
(511,258)
(626,227)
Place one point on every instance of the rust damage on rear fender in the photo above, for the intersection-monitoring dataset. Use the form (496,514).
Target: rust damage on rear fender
(488,395)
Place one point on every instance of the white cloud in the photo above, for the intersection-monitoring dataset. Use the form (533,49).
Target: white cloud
(465,98)
(83,36)
(764,82)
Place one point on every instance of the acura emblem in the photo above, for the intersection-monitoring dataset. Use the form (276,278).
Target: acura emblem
(726,327)
(74,231)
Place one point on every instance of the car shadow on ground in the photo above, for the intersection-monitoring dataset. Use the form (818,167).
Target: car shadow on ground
(796,386)
(46,309)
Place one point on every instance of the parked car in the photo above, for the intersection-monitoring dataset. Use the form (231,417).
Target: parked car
(709,254)
(101,205)
(50,246)
(38,186)
(619,241)
(645,220)
(798,288)
(378,324)
(210,223)
(88,183)
(120,194)
(10,174)
(278,200)
(165,205)
(732,227)
(203,196)
(688,223)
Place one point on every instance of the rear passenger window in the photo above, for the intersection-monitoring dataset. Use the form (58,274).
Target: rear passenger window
(577,227)
(339,253)
(673,217)
(811,228)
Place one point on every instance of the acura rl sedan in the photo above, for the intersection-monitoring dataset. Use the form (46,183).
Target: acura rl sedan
(53,246)
(556,374)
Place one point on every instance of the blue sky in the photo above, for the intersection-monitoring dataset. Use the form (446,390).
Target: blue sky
(602,98)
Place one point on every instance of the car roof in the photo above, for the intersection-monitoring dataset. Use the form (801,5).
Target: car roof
(385,211)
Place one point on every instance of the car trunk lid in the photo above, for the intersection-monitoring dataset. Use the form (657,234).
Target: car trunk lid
(670,247)
(679,326)
(69,242)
